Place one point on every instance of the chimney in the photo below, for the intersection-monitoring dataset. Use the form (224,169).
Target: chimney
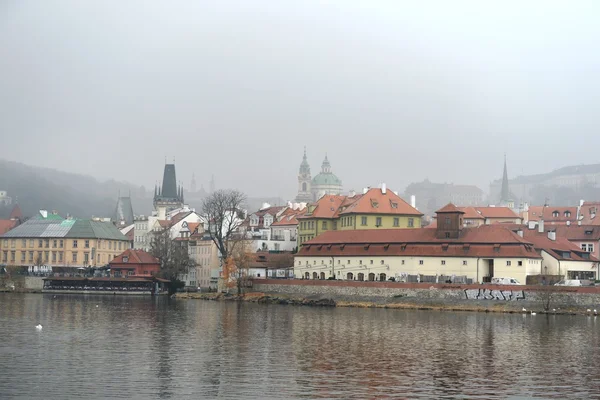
(413,201)
(526,207)
(365,190)
(383,188)
(581,203)
(541,226)
(531,224)
(552,235)
(520,232)
(568,223)
(579,222)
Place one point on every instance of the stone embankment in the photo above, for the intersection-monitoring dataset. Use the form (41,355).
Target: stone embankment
(420,296)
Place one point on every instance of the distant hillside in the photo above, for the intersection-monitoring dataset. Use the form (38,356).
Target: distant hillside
(79,195)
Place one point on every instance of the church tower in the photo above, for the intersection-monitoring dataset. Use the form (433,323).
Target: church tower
(505,200)
(304,180)
(168,196)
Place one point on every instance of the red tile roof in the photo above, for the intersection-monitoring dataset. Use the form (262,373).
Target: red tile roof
(16,213)
(471,213)
(496,212)
(135,257)
(535,213)
(449,208)
(555,247)
(578,232)
(377,202)
(6,225)
(590,212)
(192,226)
(326,207)
(494,234)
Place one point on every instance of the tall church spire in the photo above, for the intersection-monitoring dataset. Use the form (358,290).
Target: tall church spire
(304,181)
(505,193)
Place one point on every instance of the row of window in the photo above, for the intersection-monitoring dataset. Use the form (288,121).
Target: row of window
(59,244)
(349,221)
(382,262)
(50,256)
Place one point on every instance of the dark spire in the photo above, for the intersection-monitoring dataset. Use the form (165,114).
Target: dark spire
(169,186)
(504,193)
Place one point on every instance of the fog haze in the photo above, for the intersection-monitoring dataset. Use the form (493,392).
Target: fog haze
(392,91)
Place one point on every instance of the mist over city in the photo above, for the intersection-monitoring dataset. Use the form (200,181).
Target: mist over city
(391,91)
(274,199)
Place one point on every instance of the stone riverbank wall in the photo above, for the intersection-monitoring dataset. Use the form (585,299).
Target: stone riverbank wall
(427,293)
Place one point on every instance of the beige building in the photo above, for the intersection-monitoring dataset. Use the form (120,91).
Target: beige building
(475,254)
(53,241)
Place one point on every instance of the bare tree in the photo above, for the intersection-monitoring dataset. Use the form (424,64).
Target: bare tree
(173,255)
(236,269)
(223,215)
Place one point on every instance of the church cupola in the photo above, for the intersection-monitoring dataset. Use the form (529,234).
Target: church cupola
(326,166)
(304,181)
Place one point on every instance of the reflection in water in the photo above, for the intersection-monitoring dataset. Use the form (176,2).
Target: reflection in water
(161,348)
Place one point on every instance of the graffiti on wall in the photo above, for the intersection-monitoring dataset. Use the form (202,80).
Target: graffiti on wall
(489,294)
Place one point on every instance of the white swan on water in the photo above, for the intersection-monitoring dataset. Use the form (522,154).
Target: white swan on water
(533,313)
(38,327)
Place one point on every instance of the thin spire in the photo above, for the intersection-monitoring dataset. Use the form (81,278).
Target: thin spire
(505,193)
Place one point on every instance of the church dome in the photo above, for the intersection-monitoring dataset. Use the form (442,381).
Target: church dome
(324,178)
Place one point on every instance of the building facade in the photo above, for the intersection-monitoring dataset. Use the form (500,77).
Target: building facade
(134,263)
(376,208)
(62,242)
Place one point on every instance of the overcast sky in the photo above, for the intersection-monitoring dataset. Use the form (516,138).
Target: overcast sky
(392,91)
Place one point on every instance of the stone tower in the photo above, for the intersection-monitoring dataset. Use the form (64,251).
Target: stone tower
(304,181)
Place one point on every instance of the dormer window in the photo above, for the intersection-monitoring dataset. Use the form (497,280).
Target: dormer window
(568,214)
(374,203)
(393,204)
(125,259)
(555,214)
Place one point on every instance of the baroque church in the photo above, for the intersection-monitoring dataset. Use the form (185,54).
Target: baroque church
(311,189)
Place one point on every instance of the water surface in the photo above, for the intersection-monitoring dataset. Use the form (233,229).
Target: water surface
(99,347)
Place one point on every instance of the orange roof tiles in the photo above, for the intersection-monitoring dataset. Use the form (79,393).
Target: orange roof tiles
(471,213)
(7,224)
(326,207)
(135,257)
(589,212)
(377,202)
(449,208)
(552,214)
(496,212)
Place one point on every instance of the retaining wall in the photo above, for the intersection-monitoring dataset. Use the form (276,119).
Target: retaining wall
(443,293)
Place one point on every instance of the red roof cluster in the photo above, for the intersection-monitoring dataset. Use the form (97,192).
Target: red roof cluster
(135,257)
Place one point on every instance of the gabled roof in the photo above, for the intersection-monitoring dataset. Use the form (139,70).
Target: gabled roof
(375,201)
(578,232)
(556,248)
(16,213)
(547,213)
(326,207)
(449,208)
(496,212)
(135,257)
(590,211)
(471,213)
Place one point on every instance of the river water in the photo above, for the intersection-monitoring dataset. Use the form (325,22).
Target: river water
(100,347)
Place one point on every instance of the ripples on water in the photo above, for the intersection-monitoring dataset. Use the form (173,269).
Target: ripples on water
(151,348)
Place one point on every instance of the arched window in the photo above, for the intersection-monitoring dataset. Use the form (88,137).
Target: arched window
(361,276)
(315,275)
(371,277)
(323,276)
(307,275)
(350,276)
(304,186)
(382,277)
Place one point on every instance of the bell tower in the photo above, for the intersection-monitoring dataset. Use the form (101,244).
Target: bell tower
(304,179)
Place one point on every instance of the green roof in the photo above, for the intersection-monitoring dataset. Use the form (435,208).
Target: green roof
(68,228)
(326,179)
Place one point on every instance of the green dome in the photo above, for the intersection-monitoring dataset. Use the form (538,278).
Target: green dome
(325,178)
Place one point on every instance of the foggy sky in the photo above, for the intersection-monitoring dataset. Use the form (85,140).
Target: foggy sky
(392,91)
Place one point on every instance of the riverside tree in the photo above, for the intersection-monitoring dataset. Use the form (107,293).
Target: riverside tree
(223,216)
(173,256)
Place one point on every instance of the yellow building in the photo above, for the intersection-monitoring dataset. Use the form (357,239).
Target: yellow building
(377,208)
(53,241)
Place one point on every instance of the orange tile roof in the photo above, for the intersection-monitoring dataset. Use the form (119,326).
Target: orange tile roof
(474,242)
(590,212)
(555,247)
(496,212)
(326,207)
(535,213)
(449,208)
(192,226)
(471,213)
(377,202)
(6,225)
(135,257)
